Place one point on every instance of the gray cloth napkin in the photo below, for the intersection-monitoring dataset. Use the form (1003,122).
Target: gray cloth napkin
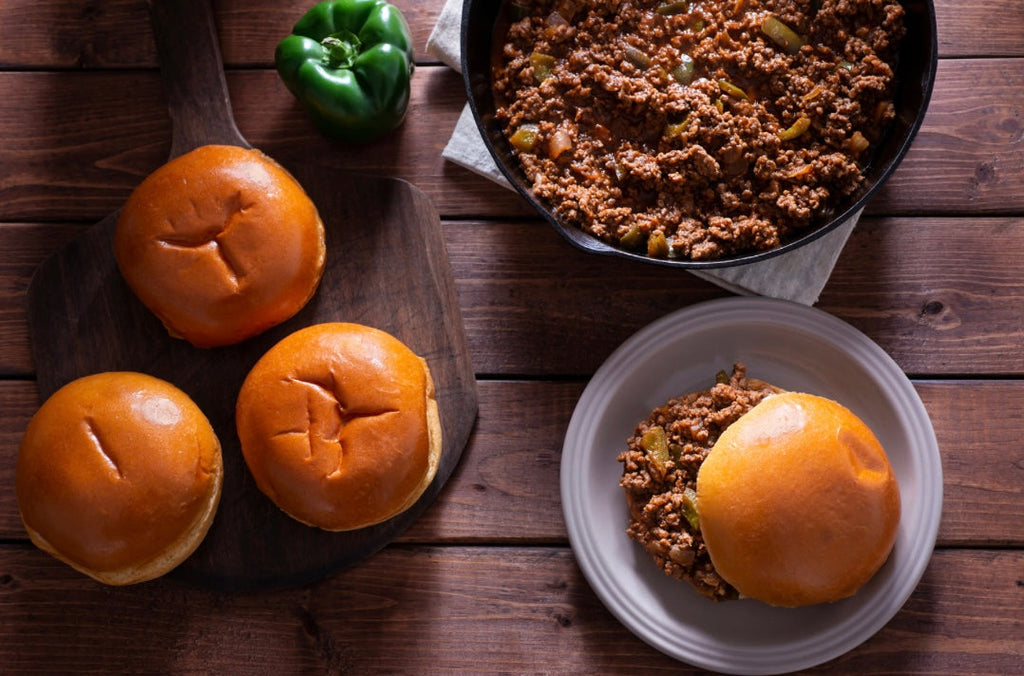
(798,276)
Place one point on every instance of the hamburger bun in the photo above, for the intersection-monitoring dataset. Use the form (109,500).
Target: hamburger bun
(119,475)
(797,501)
(339,426)
(220,244)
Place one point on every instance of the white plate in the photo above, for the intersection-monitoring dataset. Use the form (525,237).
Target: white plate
(796,348)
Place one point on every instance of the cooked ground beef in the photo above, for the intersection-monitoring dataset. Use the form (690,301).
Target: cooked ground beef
(659,475)
(681,128)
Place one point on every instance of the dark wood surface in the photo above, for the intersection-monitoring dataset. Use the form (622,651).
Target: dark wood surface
(484,580)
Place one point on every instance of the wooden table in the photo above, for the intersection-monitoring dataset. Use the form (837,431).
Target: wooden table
(485,580)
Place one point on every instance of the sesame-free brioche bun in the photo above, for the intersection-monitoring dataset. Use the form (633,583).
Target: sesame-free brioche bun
(220,244)
(339,426)
(798,503)
(119,475)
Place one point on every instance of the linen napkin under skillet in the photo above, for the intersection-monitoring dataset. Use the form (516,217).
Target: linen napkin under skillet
(798,276)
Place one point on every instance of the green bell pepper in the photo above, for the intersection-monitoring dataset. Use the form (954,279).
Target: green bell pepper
(350,63)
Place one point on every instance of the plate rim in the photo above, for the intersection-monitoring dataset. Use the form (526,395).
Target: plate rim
(729,311)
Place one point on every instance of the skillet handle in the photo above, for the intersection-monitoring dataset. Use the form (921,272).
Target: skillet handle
(193,75)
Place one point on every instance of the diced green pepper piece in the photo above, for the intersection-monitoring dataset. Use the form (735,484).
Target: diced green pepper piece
(657,245)
(673,130)
(732,90)
(683,73)
(689,505)
(525,137)
(802,124)
(676,451)
(542,65)
(632,238)
(782,35)
(655,442)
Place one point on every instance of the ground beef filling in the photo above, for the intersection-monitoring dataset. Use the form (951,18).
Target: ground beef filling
(696,129)
(660,475)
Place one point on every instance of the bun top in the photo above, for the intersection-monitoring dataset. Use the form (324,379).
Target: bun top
(339,426)
(798,503)
(119,475)
(220,244)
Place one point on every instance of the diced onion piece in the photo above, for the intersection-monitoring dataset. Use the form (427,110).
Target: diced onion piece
(817,91)
(801,171)
(556,19)
(637,57)
(857,143)
(559,142)
(782,35)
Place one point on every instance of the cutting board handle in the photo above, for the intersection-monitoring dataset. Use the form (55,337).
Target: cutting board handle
(193,75)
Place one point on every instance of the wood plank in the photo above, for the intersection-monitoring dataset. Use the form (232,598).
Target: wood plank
(505,488)
(425,609)
(941,296)
(932,292)
(24,247)
(75,144)
(970,147)
(117,34)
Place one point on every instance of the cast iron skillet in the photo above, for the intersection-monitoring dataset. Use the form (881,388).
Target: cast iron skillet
(915,75)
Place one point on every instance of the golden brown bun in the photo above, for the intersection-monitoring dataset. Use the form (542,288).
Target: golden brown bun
(797,501)
(339,426)
(119,475)
(220,244)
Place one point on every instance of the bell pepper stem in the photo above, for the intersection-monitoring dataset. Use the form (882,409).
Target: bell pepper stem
(340,49)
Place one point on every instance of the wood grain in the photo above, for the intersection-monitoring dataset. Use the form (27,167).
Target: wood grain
(484,580)
(72,153)
(505,489)
(932,292)
(116,33)
(425,610)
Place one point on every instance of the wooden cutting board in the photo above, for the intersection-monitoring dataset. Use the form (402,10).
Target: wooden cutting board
(387,267)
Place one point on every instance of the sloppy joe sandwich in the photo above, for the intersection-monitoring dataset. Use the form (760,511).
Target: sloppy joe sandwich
(339,426)
(220,244)
(119,475)
(745,490)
